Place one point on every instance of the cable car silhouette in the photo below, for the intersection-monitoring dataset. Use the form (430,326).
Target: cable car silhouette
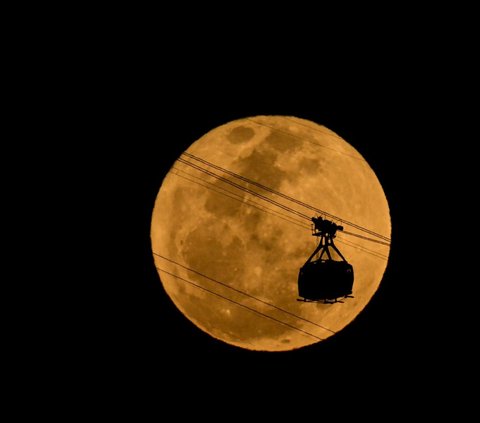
(324,278)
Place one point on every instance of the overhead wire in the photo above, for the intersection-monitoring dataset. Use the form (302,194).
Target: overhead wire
(237,197)
(240,304)
(271,190)
(361,248)
(256,194)
(243,293)
(265,209)
(366,238)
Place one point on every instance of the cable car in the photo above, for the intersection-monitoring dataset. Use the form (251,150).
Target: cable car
(324,278)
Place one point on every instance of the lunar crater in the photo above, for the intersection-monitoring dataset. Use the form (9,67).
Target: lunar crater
(240,134)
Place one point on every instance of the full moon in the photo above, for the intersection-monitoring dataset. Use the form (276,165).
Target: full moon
(230,230)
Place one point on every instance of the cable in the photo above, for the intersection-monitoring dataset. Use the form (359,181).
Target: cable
(360,248)
(287,197)
(260,207)
(266,209)
(256,194)
(272,201)
(243,293)
(235,175)
(239,199)
(366,238)
(241,305)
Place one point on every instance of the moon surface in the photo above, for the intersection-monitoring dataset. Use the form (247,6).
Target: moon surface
(229,259)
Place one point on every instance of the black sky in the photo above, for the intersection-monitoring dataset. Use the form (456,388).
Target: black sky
(143,337)
(131,101)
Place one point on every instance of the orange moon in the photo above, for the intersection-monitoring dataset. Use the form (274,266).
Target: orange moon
(229,259)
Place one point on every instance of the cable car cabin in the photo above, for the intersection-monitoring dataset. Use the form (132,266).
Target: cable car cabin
(324,278)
